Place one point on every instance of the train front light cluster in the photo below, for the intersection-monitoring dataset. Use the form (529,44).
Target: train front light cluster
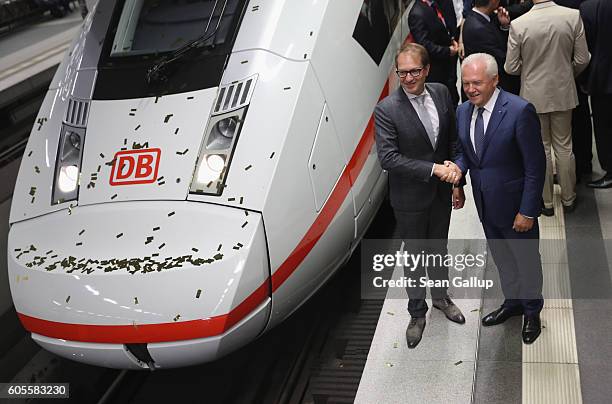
(68,164)
(216,152)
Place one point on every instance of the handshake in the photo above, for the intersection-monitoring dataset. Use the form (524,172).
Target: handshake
(448,172)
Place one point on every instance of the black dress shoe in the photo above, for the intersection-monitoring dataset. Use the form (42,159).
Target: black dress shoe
(531,328)
(450,310)
(604,182)
(548,211)
(500,315)
(414,332)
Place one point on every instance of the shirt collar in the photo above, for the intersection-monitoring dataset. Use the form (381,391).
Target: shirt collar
(413,96)
(543,4)
(491,103)
(481,13)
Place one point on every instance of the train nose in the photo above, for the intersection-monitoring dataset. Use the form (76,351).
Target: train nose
(189,280)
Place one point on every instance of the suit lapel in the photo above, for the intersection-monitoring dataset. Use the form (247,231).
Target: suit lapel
(411,115)
(499,111)
(466,130)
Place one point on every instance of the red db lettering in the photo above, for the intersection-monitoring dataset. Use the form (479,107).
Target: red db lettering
(135,167)
(144,168)
(126,167)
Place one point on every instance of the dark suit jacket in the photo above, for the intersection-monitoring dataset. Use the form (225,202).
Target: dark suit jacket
(515,7)
(405,151)
(510,176)
(428,30)
(575,4)
(597,18)
(480,35)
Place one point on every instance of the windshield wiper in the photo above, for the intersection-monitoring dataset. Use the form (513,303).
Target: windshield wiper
(157,72)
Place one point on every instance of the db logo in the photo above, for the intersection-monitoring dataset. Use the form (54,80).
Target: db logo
(135,167)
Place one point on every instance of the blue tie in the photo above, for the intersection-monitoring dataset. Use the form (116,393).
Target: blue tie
(479,133)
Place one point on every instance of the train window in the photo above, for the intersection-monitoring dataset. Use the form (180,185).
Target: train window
(157,26)
(375,25)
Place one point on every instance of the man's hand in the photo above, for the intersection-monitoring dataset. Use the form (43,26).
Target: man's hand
(449,172)
(522,223)
(454,48)
(455,175)
(458,198)
(503,17)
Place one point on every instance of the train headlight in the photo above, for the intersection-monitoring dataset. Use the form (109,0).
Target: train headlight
(216,152)
(227,126)
(68,177)
(222,133)
(68,164)
(211,169)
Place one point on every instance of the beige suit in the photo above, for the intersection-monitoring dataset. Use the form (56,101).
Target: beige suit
(548,48)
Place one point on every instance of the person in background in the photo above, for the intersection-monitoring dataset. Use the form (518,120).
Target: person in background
(433,24)
(416,139)
(485,30)
(515,8)
(547,48)
(597,16)
(582,130)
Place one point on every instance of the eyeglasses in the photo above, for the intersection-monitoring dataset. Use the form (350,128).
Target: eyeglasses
(414,72)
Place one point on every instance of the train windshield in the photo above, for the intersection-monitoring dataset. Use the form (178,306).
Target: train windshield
(159,26)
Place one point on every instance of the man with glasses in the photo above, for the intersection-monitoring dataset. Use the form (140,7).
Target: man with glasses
(415,139)
(500,143)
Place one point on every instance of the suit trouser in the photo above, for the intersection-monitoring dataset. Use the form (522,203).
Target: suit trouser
(557,137)
(426,231)
(582,134)
(518,261)
(602,122)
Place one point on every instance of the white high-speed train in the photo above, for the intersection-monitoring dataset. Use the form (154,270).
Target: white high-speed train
(198,169)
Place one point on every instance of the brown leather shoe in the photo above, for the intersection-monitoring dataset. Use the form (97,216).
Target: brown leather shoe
(414,332)
(450,310)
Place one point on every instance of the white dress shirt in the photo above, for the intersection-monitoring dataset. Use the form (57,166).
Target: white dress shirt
(481,13)
(431,110)
(486,115)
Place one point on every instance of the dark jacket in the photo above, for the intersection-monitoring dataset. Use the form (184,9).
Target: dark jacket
(575,4)
(429,31)
(515,7)
(480,35)
(597,18)
(509,176)
(405,151)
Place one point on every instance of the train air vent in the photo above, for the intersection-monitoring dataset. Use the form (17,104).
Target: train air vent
(235,95)
(77,113)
